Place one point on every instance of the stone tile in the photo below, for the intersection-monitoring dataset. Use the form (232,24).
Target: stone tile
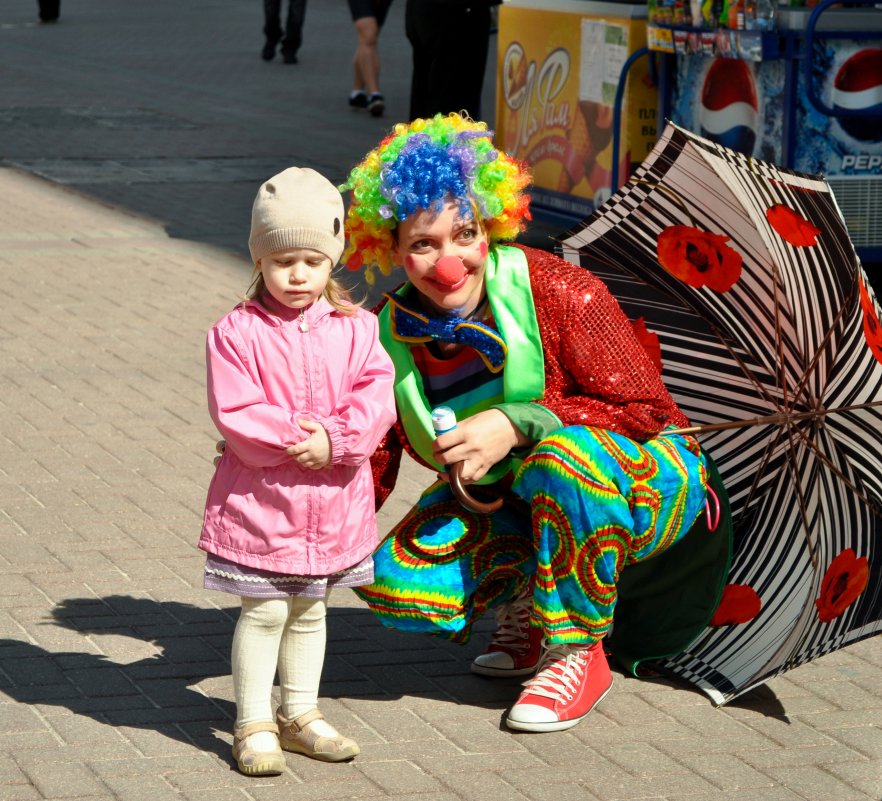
(815,784)
(18,718)
(776,793)
(820,755)
(23,792)
(64,780)
(639,759)
(558,792)
(863,776)
(866,740)
(726,771)
(213,794)
(794,733)
(846,695)
(401,777)
(358,787)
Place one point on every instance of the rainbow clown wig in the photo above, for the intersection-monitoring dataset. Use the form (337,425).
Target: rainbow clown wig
(423,165)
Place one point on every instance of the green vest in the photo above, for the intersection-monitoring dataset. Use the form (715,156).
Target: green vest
(507,282)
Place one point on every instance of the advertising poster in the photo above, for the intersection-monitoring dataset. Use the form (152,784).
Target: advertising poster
(743,105)
(558,75)
(846,75)
(734,102)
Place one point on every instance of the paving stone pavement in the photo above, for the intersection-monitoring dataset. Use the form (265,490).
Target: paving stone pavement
(132,140)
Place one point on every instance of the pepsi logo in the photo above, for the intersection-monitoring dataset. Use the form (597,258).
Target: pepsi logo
(858,87)
(729,111)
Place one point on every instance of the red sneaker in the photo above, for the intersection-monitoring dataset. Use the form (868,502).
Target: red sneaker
(516,648)
(570,683)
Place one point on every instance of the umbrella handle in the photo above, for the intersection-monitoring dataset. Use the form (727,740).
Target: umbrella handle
(465,497)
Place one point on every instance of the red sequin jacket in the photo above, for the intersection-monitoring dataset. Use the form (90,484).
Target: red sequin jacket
(596,371)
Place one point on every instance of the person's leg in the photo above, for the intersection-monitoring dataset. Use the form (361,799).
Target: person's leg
(302,655)
(442,567)
(599,503)
(366,61)
(272,27)
(293,30)
(302,728)
(254,655)
(367,68)
(516,647)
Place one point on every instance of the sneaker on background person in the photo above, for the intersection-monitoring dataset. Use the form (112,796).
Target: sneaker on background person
(358,99)
(376,104)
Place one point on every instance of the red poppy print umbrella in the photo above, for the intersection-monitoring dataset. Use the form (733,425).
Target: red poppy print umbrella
(770,340)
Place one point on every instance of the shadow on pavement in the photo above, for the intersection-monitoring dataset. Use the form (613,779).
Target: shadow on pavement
(762,700)
(191,644)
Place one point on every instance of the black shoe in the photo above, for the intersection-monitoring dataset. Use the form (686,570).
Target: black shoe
(358,100)
(289,58)
(269,51)
(376,105)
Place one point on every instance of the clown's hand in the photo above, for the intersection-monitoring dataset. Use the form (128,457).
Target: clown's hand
(479,442)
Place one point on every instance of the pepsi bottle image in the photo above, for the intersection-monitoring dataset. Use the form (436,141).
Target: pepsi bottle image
(729,110)
(858,87)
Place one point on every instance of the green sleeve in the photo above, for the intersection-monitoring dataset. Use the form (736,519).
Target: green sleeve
(535,422)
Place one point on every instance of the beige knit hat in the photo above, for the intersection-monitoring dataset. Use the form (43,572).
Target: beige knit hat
(298,208)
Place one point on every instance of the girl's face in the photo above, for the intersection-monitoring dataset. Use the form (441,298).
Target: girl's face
(295,277)
(426,238)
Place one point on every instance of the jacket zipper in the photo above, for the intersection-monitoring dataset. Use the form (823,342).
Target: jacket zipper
(311,528)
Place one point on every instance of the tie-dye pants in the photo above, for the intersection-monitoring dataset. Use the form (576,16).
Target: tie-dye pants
(593,503)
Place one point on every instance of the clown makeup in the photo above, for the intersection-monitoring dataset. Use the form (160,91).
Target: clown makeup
(444,256)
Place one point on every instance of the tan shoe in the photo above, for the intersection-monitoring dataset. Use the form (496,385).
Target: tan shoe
(257,763)
(295,735)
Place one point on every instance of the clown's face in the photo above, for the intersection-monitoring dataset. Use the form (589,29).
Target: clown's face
(444,256)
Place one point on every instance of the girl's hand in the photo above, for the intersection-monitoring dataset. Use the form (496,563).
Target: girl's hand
(479,442)
(314,452)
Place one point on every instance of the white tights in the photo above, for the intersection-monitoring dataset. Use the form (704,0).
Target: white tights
(284,633)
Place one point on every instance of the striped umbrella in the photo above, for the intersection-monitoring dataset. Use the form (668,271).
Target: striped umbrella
(770,341)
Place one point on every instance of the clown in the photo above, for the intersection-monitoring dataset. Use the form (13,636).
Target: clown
(560,411)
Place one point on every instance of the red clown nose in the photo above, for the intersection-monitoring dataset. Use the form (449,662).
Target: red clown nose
(449,270)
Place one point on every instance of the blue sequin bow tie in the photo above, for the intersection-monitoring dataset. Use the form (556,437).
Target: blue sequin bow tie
(410,324)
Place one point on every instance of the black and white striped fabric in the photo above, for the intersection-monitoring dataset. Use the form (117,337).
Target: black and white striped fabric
(788,336)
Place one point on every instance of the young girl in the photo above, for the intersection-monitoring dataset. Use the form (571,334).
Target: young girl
(301,390)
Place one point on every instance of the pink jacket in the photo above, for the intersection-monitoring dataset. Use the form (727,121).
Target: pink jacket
(264,374)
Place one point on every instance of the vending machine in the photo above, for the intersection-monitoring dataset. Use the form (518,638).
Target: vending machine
(807,96)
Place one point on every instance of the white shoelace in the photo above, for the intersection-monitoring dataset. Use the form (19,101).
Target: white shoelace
(560,673)
(513,623)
